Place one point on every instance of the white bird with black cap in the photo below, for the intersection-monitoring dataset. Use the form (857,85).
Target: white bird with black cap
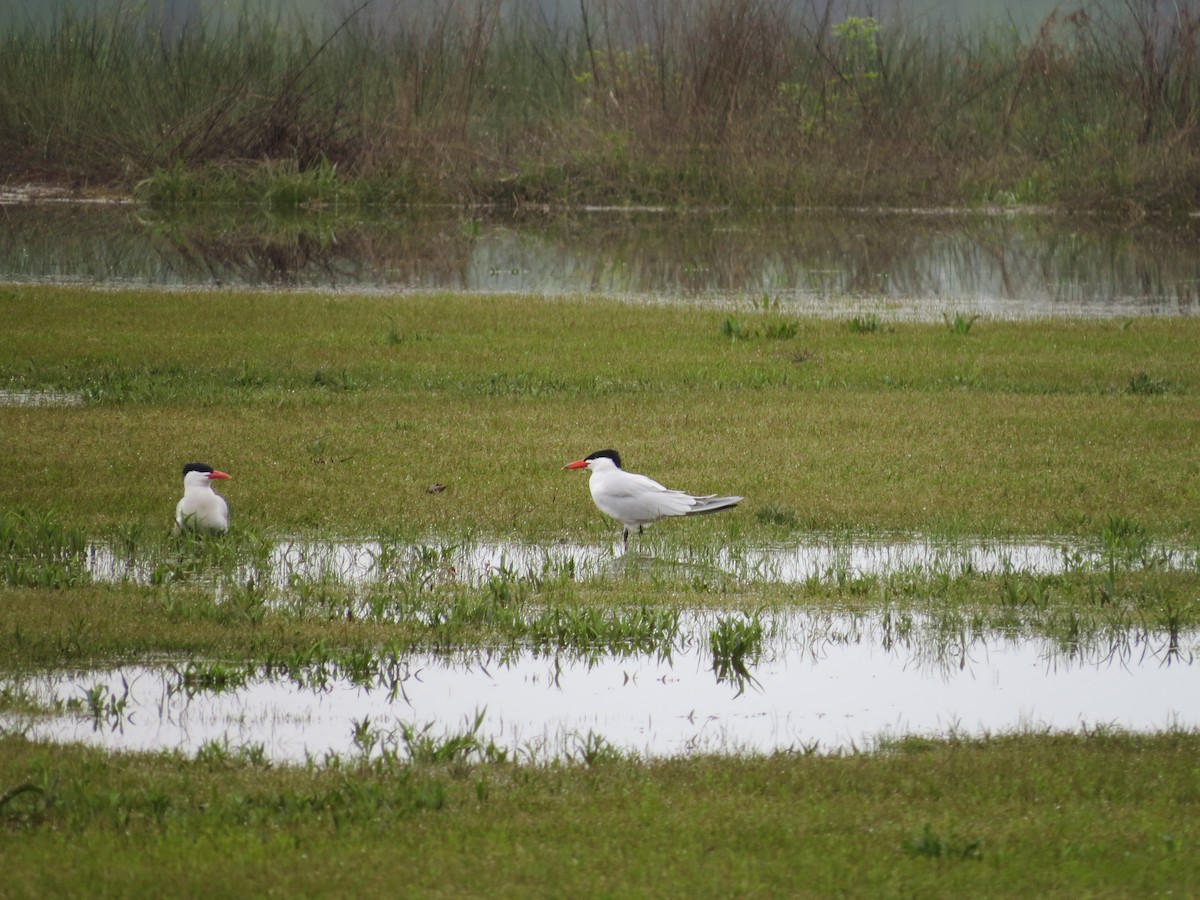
(635,500)
(201,508)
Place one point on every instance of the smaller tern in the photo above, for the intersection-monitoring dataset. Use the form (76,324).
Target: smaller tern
(201,508)
(635,500)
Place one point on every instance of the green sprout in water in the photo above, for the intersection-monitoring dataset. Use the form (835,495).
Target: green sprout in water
(734,641)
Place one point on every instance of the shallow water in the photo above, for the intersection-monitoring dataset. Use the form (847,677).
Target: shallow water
(813,558)
(898,264)
(822,682)
(40,398)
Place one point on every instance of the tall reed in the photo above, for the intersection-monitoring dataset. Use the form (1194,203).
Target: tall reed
(742,101)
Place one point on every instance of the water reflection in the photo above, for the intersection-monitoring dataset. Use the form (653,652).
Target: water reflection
(824,682)
(815,558)
(902,264)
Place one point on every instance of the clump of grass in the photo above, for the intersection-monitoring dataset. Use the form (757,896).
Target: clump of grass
(335,380)
(219,754)
(642,630)
(959,323)
(734,642)
(37,549)
(781,330)
(1144,385)
(595,750)
(778,516)
(866,324)
(933,846)
(421,746)
(772,329)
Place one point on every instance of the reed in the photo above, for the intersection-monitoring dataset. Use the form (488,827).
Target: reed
(749,102)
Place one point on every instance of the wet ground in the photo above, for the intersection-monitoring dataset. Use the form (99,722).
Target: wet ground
(818,681)
(812,557)
(821,683)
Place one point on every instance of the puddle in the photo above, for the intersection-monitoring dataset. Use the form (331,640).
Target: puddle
(822,682)
(899,264)
(814,559)
(40,398)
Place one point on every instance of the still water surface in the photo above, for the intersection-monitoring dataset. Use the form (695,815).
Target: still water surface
(811,558)
(822,682)
(898,264)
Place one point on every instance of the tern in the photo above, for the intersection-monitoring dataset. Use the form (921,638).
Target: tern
(635,500)
(201,507)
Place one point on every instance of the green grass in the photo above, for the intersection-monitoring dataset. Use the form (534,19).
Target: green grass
(334,419)
(1100,814)
(225,621)
(326,425)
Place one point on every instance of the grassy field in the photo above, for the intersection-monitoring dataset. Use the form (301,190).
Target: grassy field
(334,414)
(1101,816)
(747,103)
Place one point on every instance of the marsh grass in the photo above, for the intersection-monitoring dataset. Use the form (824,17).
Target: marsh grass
(488,403)
(243,618)
(1101,811)
(481,103)
(845,440)
(494,398)
(38,550)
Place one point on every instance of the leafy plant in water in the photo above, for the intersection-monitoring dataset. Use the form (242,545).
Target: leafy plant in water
(594,749)
(105,708)
(365,738)
(423,747)
(733,641)
(208,677)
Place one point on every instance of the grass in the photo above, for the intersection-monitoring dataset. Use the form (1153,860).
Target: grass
(335,420)
(487,103)
(229,621)
(857,438)
(734,642)
(1090,813)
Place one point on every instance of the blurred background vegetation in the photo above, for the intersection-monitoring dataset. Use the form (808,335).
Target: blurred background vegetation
(685,102)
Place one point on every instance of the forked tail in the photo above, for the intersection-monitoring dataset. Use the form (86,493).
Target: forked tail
(713,503)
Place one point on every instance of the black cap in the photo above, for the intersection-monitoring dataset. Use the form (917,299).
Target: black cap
(611,454)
